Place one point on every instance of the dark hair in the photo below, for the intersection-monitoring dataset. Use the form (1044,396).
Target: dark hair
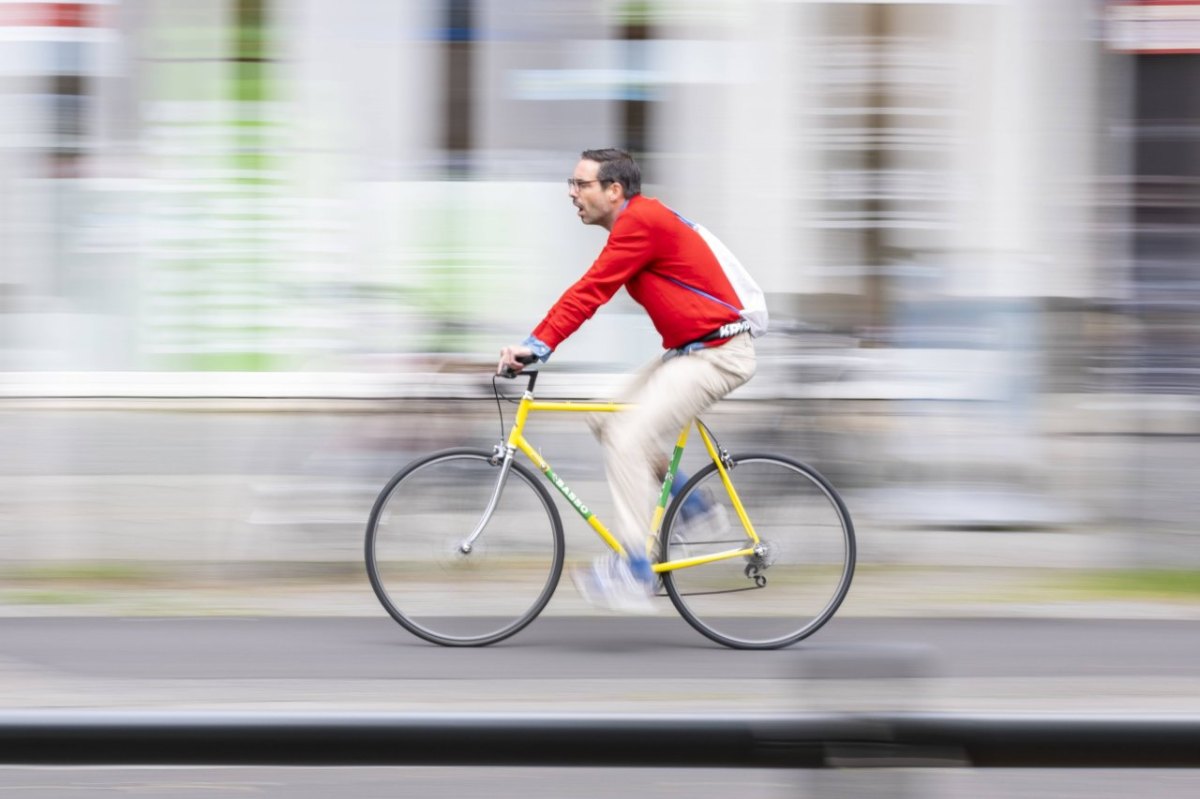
(616,166)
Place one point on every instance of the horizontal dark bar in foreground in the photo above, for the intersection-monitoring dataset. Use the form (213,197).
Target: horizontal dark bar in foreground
(801,741)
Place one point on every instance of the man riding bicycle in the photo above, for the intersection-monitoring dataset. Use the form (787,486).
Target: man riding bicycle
(685,279)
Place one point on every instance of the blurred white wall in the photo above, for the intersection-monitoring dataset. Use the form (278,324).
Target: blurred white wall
(861,155)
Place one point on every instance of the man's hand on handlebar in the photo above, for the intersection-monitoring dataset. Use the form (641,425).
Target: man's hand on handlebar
(514,359)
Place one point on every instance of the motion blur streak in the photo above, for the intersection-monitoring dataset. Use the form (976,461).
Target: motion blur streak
(255,255)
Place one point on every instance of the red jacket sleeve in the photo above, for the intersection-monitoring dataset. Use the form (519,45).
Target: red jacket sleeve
(627,252)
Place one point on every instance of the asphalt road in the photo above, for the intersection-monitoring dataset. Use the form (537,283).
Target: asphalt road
(596,665)
(578,783)
(590,647)
(563,656)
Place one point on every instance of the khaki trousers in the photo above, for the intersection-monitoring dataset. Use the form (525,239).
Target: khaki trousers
(666,394)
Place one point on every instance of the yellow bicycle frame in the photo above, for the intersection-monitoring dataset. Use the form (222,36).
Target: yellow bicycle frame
(517,441)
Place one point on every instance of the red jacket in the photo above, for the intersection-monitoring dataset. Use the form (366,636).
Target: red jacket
(649,248)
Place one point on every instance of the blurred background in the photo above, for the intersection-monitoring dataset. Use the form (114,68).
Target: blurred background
(257,254)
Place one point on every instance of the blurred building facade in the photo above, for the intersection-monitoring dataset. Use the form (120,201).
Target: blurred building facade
(243,184)
(971,219)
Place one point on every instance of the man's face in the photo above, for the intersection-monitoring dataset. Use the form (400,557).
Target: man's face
(596,203)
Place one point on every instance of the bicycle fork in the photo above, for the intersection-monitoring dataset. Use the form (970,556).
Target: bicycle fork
(504,455)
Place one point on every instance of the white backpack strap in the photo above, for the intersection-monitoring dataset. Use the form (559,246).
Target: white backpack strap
(754,302)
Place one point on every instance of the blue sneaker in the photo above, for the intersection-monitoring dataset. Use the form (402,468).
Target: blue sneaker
(697,504)
(614,583)
(703,520)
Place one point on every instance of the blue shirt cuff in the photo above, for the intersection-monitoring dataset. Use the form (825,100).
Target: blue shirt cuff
(539,347)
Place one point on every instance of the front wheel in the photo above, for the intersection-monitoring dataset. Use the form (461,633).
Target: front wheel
(428,578)
(798,575)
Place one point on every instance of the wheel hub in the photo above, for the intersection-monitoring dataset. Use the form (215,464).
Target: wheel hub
(763,556)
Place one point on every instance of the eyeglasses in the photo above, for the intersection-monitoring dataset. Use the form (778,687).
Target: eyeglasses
(578,185)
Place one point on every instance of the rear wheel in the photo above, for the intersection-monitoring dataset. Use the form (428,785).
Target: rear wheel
(417,534)
(801,568)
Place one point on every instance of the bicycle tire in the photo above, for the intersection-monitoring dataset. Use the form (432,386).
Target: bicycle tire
(808,558)
(424,580)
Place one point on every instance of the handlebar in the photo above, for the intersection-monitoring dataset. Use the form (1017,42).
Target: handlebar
(523,359)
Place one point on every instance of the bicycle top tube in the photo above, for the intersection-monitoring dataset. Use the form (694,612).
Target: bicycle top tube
(591,406)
